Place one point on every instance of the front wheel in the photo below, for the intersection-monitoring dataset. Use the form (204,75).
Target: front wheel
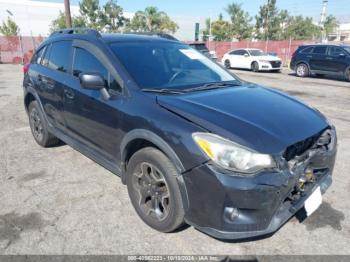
(154,191)
(255,67)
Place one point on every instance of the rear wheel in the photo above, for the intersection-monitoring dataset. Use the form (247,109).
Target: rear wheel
(255,67)
(302,70)
(227,64)
(347,74)
(38,126)
(153,190)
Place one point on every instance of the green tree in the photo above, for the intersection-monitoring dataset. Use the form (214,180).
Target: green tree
(60,22)
(90,12)
(112,17)
(303,28)
(9,28)
(109,18)
(240,22)
(152,20)
(268,22)
(221,30)
(330,24)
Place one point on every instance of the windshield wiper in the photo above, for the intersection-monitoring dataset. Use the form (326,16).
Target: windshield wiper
(209,86)
(162,90)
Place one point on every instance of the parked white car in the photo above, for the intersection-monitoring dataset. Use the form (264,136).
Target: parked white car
(254,59)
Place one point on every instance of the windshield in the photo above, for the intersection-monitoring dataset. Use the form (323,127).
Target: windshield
(160,65)
(256,52)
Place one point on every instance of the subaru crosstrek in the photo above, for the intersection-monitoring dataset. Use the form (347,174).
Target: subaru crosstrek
(193,143)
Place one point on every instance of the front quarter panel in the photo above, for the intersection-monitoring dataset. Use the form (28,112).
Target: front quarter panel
(174,130)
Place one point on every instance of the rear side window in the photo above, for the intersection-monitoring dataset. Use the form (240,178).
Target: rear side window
(336,51)
(237,52)
(320,50)
(307,50)
(45,60)
(85,62)
(59,56)
(38,56)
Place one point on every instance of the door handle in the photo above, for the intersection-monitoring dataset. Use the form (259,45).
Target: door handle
(329,58)
(68,93)
(309,56)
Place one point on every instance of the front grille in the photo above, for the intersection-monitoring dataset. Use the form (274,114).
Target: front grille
(299,148)
(275,64)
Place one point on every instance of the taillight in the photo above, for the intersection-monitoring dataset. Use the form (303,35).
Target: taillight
(26,68)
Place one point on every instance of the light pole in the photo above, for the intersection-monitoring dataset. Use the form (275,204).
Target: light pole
(19,36)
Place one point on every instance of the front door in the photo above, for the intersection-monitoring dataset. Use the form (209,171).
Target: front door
(337,57)
(89,117)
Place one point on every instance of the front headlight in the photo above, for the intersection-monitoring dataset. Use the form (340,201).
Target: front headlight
(232,156)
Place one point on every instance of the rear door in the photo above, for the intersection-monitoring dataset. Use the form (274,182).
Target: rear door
(235,58)
(55,67)
(246,59)
(318,59)
(337,59)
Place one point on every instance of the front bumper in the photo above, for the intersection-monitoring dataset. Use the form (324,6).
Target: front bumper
(263,202)
(269,66)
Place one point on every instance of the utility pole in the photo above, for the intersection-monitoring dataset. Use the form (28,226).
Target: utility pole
(67,13)
(323,18)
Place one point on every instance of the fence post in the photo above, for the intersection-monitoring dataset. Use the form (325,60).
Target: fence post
(21,48)
(289,49)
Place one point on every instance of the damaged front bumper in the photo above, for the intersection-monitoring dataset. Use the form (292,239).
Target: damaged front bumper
(229,206)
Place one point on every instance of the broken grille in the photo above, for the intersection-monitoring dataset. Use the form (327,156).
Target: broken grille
(322,138)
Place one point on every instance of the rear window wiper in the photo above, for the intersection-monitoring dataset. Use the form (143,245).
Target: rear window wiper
(211,86)
(162,90)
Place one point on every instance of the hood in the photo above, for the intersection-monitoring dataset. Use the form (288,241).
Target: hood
(260,118)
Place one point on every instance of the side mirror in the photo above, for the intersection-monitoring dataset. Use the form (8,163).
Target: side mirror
(246,55)
(341,55)
(91,81)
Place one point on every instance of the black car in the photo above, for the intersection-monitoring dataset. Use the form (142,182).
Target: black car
(193,143)
(202,47)
(322,60)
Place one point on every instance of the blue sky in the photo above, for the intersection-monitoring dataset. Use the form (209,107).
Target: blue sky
(213,8)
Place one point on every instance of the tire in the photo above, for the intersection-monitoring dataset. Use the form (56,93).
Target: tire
(227,64)
(154,191)
(302,70)
(347,75)
(38,126)
(255,67)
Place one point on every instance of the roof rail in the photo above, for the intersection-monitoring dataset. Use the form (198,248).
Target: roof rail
(77,30)
(161,35)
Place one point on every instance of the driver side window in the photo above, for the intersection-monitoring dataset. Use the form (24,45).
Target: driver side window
(85,62)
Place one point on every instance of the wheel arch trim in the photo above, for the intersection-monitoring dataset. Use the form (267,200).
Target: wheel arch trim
(152,138)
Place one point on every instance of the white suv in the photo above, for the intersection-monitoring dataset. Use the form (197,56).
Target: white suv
(254,59)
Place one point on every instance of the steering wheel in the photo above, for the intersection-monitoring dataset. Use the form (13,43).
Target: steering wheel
(176,75)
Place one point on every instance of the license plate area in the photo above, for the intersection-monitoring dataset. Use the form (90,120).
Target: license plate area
(313,202)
